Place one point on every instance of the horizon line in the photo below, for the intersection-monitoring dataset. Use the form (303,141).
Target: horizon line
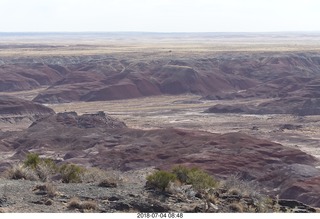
(157,32)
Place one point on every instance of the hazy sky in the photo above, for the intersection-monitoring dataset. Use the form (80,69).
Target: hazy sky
(160,15)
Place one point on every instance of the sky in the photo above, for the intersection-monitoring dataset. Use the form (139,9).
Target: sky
(159,15)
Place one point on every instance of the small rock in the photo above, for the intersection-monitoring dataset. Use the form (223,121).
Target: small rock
(113,198)
(231,198)
(215,207)
(3,202)
(300,211)
(38,202)
(122,206)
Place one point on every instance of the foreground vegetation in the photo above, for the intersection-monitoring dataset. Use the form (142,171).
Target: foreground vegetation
(35,168)
(180,189)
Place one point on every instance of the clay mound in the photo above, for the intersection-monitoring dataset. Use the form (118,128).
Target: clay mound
(66,93)
(113,92)
(294,105)
(15,106)
(75,77)
(303,190)
(283,87)
(279,75)
(176,79)
(309,107)
(237,108)
(85,121)
(27,76)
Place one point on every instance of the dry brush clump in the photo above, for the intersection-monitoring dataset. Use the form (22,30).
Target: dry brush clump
(20,171)
(237,186)
(33,168)
(36,168)
(46,169)
(76,203)
(102,177)
(48,189)
(230,195)
(196,177)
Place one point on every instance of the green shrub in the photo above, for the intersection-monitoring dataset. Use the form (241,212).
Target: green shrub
(71,173)
(200,179)
(160,179)
(32,160)
(181,172)
(194,176)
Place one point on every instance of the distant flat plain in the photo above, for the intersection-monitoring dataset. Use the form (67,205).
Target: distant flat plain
(182,44)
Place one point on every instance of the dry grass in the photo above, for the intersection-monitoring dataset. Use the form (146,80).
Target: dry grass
(93,175)
(51,189)
(48,188)
(45,172)
(236,186)
(101,177)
